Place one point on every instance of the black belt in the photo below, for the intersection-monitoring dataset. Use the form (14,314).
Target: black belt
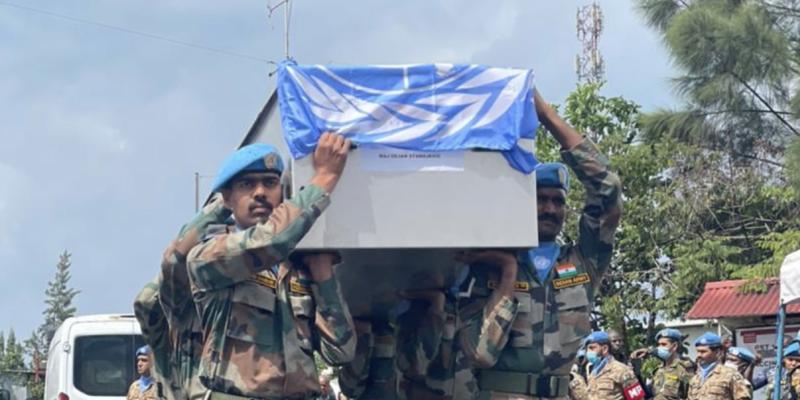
(523,383)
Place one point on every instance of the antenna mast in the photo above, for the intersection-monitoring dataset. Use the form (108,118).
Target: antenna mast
(589,64)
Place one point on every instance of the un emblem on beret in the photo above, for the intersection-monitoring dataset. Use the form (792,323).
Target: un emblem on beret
(271,161)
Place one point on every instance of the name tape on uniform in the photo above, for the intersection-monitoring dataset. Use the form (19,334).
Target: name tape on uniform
(576,280)
(267,281)
(298,288)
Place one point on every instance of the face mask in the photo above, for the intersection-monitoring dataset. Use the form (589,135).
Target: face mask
(663,353)
(732,364)
(592,357)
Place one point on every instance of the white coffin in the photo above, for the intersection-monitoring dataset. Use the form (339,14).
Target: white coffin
(477,201)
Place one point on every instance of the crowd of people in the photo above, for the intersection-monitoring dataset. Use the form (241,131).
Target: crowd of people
(236,313)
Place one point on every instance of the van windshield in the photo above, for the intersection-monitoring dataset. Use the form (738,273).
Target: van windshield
(105,364)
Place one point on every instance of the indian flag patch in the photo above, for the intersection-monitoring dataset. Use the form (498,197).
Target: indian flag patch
(566,271)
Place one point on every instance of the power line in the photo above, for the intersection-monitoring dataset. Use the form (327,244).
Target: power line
(138,33)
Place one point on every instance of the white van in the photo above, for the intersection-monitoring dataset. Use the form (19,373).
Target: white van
(92,357)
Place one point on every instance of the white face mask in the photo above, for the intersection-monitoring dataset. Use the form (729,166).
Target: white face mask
(732,364)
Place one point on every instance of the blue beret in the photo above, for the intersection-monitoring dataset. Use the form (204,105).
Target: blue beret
(742,353)
(792,350)
(598,337)
(708,339)
(553,175)
(670,333)
(143,351)
(256,157)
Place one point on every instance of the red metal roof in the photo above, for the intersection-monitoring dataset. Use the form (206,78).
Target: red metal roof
(723,300)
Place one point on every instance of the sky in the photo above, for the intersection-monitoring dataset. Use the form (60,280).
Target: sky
(104,118)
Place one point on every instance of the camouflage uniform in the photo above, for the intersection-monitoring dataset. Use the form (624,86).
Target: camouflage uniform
(153,324)
(428,360)
(372,373)
(261,323)
(788,391)
(135,393)
(546,320)
(578,389)
(671,381)
(722,383)
(616,381)
(175,296)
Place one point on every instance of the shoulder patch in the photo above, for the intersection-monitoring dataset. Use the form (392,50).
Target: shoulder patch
(576,280)
(634,391)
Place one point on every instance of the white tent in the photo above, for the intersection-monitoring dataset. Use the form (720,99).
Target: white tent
(790,293)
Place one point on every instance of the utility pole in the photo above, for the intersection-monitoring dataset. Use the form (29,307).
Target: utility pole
(589,64)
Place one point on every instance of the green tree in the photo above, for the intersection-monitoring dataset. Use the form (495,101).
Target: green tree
(58,299)
(2,347)
(14,357)
(738,218)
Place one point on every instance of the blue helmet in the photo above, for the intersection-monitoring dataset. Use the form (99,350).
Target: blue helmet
(143,351)
(554,175)
(256,157)
(743,354)
(599,337)
(670,333)
(708,339)
(792,350)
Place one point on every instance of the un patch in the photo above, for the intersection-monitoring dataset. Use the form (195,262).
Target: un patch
(576,280)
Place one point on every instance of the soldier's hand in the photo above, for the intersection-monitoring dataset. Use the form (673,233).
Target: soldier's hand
(329,159)
(640,353)
(500,258)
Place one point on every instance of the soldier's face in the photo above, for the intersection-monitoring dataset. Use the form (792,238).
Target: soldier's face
(601,349)
(551,209)
(252,197)
(792,362)
(706,355)
(143,365)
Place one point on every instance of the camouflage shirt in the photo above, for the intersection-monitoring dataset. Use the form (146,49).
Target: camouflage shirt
(578,389)
(175,296)
(261,323)
(671,381)
(616,381)
(722,383)
(136,393)
(154,328)
(546,321)
(788,391)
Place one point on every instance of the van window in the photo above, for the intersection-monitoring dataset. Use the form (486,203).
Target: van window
(104,365)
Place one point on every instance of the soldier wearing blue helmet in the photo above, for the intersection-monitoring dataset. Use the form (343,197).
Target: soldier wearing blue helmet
(671,380)
(713,380)
(259,316)
(527,350)
(744,361)
(609,379)
(790,379)
(143,388)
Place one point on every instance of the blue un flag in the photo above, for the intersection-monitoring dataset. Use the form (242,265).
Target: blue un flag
(422,107)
